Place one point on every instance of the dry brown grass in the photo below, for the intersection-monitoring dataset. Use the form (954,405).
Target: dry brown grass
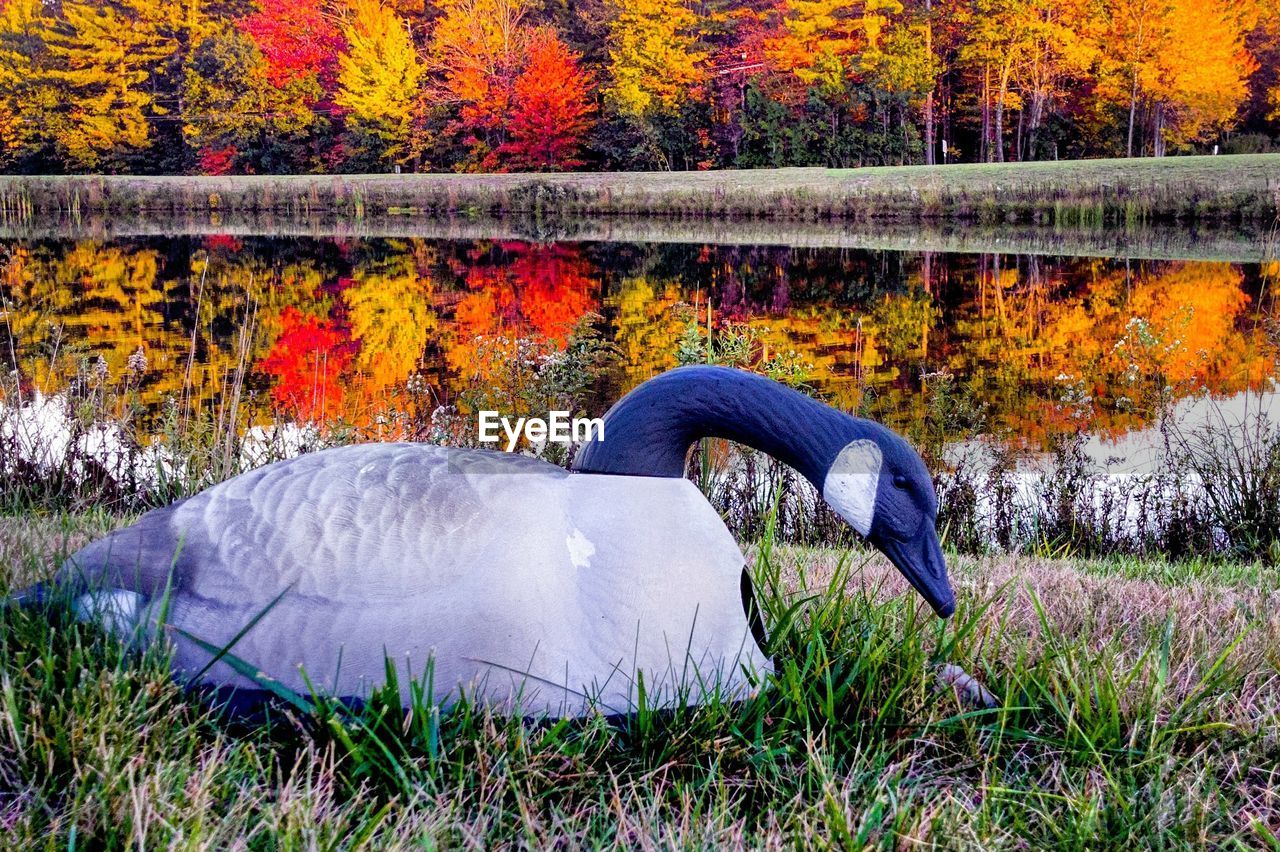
(32,545)
(1031,601)
(1239,187)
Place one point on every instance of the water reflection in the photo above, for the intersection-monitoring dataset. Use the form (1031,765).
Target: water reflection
(318,329)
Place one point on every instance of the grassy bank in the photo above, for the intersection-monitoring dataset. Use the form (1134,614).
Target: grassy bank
(1229,188)
(1138,705)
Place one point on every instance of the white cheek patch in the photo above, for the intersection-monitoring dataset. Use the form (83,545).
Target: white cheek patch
(851,483)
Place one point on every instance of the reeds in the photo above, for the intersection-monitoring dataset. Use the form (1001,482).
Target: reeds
(1081,193)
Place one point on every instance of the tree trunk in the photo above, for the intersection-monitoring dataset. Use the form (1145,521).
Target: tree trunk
(1133,108)
(1033,126)
(986,114)
(904,119)
(1004,92)
(1017,135)
(946,118)
(1157,141)
(928,98)
(929,159)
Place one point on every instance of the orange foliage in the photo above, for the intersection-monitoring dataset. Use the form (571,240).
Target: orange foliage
(551,108)
(540,292)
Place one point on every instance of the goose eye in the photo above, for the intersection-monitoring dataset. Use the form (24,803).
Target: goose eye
(899,480)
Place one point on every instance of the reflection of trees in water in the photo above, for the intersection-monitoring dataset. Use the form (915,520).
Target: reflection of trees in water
(391,316)
(1124,336)
(88,302)
(516,290)
(339,328)
(309,364)
(647,326)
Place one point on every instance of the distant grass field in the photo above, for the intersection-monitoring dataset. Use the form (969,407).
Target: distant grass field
(1139,705)
(1090,192)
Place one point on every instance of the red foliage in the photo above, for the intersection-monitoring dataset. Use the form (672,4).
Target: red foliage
(539,291)
(223,243)
(551,108)
(296,39)
(217,161)
(307,362)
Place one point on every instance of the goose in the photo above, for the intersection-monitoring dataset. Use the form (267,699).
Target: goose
(498,576)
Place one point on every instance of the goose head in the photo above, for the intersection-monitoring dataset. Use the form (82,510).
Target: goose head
(880,486)
(868,474)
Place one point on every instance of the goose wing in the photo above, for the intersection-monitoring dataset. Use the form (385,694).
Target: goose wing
(337,558)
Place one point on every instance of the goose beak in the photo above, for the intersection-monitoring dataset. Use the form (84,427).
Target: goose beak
(921,562)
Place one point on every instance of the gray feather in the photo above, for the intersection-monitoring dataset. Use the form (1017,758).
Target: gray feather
(514,577)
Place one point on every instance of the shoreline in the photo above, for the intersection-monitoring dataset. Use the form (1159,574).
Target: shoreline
(1242,243)
(1092,193)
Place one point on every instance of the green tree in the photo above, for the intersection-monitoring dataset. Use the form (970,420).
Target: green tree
(235,117)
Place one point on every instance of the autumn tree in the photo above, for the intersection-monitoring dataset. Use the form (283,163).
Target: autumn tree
(898,80)
(824,41)
(842,83)
(1060,49)
(31,107)
(998,43)
(1263,43)
(1179,67)
(653,56)
(477,49)
(551,108)
(298,40)
(237,118)
(378,81)
(317,85)
(655,63)
(104,55)
(1200,78)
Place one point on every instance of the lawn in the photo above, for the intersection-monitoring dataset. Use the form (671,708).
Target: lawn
(1234,188)
(1138,706)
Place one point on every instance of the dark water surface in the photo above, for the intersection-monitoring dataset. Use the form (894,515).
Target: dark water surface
(351,328)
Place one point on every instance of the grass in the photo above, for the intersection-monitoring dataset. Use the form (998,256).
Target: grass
(1138,707)
(1090,192)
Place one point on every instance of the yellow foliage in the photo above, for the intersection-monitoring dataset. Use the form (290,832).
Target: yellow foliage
(104,55)
(824,39)
(392,318)
(654,59)
(379,74)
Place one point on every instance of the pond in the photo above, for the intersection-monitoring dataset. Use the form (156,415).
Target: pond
(1023,337)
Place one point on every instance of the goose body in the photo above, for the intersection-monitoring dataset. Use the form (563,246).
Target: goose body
(519,583)
(406,552)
